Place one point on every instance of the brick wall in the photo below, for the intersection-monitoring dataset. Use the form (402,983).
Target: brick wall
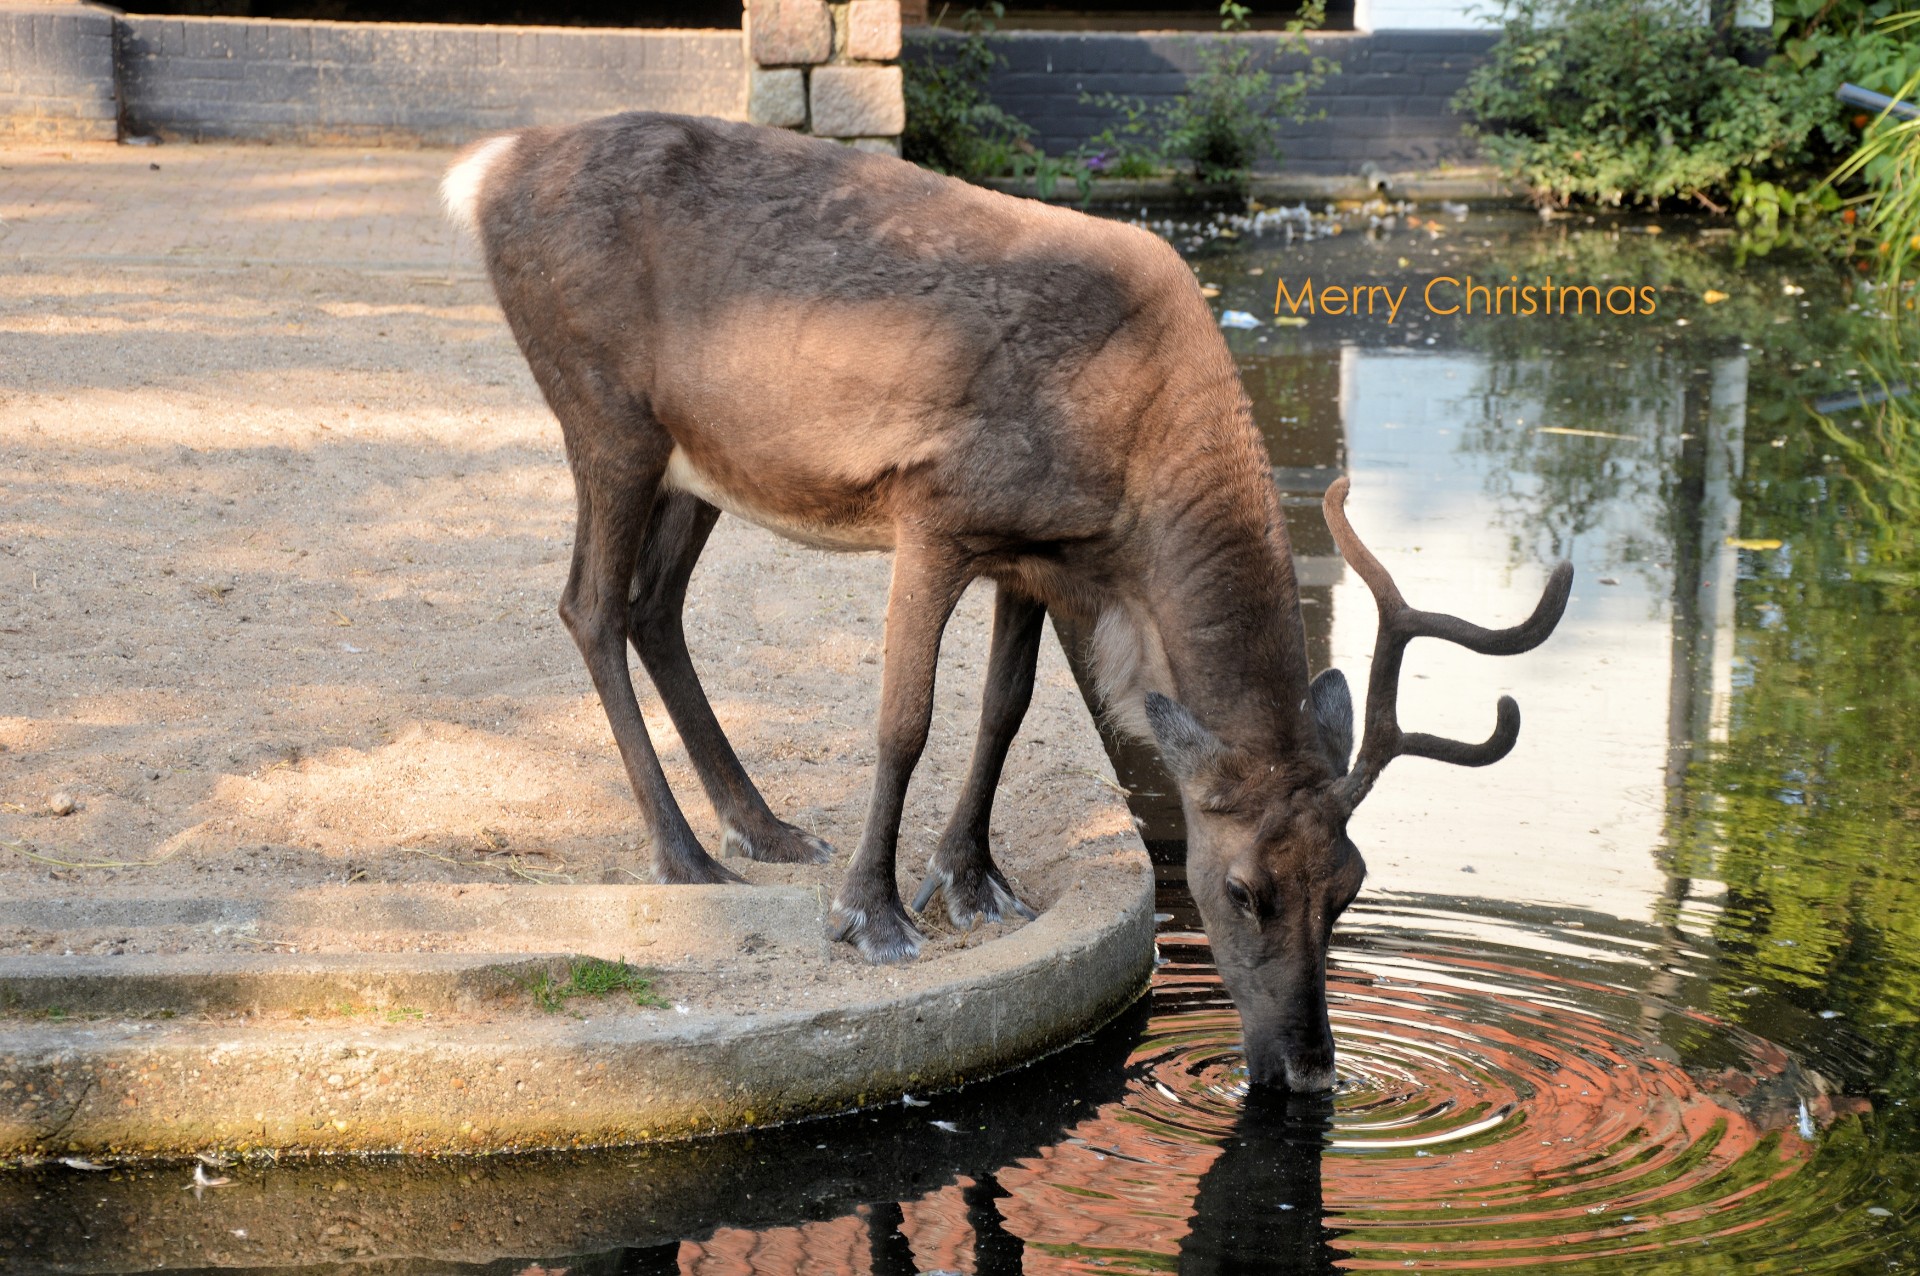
(56,72)
(330,81)
(1388,106)
(343,81)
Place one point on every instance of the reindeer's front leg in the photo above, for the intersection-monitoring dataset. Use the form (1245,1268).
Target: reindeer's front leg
(962,868)
(927,582)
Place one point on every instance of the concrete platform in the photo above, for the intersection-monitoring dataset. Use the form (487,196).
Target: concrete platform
(317,775)
(436,1052)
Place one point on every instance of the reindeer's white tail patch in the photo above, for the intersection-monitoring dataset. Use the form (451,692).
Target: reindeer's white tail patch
(460,188)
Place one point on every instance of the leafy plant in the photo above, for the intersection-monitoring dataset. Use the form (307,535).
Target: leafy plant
(1638,101)
(1860,41)
(1773,213)
(953,127)
(1047,170)
(593,977)
(1230,116)
(1888,159)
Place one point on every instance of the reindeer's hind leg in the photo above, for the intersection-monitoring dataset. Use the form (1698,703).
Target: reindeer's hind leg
(617,467)
(675,536)
(962,868)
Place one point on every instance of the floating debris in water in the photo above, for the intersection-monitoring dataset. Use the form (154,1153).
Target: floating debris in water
(202,1181)
(1581,434)
(1238,319)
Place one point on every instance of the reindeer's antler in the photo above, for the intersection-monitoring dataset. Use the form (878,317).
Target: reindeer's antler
(1399,625)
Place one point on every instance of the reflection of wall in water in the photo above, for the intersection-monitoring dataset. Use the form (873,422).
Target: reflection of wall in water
(1453,481)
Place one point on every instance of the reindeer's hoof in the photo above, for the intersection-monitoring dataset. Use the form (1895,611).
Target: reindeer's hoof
(975,892)
(697,869)
(884,934)
(782,844)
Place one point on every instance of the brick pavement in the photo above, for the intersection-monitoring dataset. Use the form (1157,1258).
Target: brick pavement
(227,205)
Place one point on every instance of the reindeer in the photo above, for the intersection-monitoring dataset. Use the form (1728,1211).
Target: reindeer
(861,355)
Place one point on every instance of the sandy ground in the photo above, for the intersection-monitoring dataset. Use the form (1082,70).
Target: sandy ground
(280,544)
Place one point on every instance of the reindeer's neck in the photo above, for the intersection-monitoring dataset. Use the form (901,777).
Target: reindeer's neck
(1222,599)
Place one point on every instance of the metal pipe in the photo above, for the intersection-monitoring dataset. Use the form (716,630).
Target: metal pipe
(1878,103)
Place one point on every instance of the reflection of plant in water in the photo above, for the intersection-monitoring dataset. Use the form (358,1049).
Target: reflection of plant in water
(1809,810)
(1634,375)
(1563,487)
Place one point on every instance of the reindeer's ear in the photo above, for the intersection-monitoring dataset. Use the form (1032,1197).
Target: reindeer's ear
(1193,753)
(1333,714)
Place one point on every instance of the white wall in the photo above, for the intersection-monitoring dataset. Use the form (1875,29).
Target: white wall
(1423,15)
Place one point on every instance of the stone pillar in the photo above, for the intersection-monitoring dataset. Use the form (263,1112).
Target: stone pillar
(56,72)
(827,69)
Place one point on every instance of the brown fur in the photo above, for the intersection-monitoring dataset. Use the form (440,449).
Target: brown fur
(861,354)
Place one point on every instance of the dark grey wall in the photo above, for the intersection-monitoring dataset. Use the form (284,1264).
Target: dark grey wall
(331,81)
(56,72)
(1388,105)
(346,81)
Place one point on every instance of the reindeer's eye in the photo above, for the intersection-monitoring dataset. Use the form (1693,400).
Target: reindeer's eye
(1240,896)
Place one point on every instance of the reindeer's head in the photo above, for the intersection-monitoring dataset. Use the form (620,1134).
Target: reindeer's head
(1269,862)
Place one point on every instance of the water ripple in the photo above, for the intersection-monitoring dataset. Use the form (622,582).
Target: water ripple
(1494,1110)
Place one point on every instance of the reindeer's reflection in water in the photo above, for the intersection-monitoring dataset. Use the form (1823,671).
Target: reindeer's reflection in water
(1259,1208)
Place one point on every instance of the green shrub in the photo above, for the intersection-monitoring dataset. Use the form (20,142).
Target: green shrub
(1231,114)
(952,126)
(1888,162)
(1860,41)
(1637,102)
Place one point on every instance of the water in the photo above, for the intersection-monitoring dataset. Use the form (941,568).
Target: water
(1640,999)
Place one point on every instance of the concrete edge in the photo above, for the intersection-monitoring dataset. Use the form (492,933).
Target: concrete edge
(165,987)
(139,1090)
(1473,186)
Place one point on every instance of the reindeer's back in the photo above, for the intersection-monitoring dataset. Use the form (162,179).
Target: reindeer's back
(761,291)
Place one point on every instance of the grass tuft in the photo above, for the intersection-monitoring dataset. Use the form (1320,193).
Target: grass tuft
(593,977)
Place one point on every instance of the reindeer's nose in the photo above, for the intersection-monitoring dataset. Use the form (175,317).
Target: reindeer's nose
(1302,1072)
(1310,1077)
